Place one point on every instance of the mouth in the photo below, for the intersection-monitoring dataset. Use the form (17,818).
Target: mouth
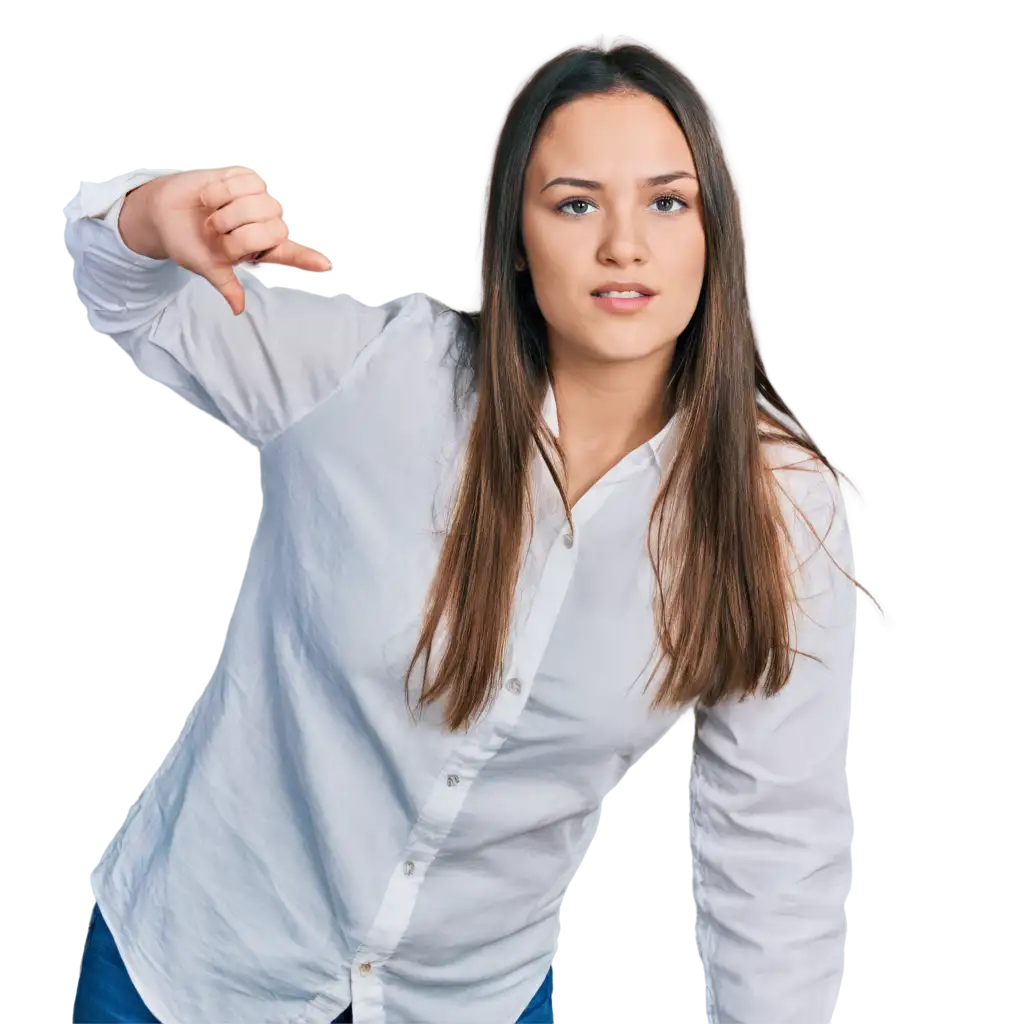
(624,292)
(622,301)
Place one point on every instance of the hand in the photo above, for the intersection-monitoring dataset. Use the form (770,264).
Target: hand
(209,220)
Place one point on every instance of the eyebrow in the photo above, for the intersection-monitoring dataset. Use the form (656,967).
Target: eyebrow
(658,179)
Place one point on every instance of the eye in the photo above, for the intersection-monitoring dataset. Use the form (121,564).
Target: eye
(670,199)
(567,207)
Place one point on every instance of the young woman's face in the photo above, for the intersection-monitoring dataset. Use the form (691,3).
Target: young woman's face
(611,225)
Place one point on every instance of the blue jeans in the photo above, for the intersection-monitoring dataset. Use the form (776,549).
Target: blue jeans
(106,994)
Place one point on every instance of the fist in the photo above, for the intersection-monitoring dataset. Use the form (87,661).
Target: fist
(209,220)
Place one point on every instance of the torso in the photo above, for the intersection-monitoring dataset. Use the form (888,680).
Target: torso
(301,764)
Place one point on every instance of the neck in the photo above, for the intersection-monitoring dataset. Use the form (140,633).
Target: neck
(609,408)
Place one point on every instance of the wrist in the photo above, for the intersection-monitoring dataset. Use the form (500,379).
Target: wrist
(135,223)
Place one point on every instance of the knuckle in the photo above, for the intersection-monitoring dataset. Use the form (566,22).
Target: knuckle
(250,184)
(253,209)
(215,195)
(235,243)
(253,237)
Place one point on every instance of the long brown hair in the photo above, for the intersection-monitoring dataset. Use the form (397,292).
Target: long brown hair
(723,623)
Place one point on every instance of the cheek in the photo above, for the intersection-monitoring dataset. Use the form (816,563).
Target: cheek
(689,272)
(554,248)
(554,283)
(684,266)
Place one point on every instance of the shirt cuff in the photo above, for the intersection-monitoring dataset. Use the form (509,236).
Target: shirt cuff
(103,201)
(94,195)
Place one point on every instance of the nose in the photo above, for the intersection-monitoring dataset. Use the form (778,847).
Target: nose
(623,242)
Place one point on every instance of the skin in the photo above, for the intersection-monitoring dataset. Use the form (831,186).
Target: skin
(207,221)
(609,369)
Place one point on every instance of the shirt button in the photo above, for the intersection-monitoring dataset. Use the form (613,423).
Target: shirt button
(409,867)
(364,968)
(567,540)
(514,685)
(453,780)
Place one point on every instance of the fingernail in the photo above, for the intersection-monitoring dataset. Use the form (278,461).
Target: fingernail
(330,265)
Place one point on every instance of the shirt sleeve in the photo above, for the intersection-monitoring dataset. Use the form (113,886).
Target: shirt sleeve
(770,819)
(258,372)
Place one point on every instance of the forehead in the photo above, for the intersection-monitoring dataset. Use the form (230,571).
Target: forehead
(608,136)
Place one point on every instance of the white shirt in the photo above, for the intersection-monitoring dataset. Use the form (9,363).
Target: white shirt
(305,842)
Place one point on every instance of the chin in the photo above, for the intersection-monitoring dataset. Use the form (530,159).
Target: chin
(603,342)
(614,351)
(627,340)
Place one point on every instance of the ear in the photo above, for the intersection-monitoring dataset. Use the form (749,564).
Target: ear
(520,263)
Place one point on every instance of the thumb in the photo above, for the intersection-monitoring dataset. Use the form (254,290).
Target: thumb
(225,281)
(291,254)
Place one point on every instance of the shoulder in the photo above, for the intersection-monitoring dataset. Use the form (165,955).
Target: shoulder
(424,317)
(810,497)
(798,472)
(414,364)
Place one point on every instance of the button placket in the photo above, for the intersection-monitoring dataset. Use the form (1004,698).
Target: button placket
(367,994)
(458,775)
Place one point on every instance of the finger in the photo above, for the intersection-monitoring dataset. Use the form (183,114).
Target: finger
(291,255)
(244,210)
(224,280)
(250,238)
(230,183)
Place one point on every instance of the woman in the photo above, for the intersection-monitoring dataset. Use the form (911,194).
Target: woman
(555,494)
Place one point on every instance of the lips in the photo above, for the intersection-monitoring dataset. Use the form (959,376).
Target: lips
(623,286)
(621,303)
